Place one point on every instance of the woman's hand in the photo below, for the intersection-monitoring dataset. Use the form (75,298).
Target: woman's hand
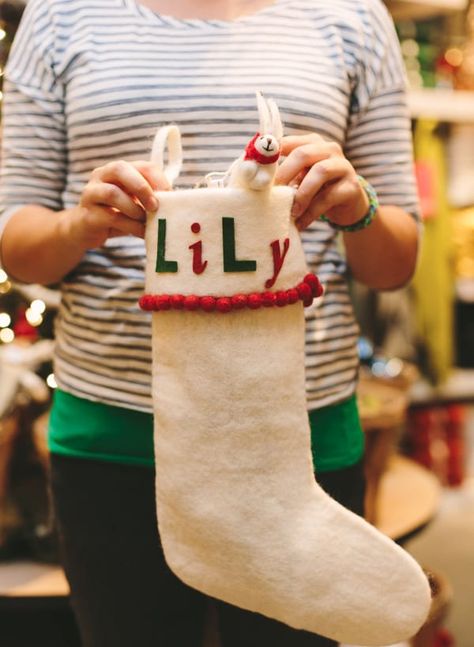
(114,202)
(326,181)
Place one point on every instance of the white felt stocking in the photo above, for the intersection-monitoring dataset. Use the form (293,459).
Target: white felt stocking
(240,515)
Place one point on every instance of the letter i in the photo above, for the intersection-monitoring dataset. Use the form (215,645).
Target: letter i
(198,265)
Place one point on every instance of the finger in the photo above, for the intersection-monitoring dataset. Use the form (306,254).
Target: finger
(131,181)
(123,225)
(111,195)
(291,142)
(154,176)
(302,158)
(115,233)
(329,170)
(332,196)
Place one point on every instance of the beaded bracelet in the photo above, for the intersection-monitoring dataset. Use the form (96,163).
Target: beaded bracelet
(369,216)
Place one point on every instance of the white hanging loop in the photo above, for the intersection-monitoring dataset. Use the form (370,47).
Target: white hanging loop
(168,136)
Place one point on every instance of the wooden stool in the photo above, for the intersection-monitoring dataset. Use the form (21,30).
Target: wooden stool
(383,411)
(407,498)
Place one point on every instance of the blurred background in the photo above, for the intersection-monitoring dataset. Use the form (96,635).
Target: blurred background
(416,390)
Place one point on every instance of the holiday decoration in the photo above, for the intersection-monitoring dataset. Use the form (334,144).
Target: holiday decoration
(241,516)
(26,321)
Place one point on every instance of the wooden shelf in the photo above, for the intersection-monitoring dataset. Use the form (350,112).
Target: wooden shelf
(407,498)
(459,387)
(420,9)
(30,580)
(454,106)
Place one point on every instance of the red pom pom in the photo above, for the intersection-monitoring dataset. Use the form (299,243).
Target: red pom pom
(281,298)
(269,299)
(313,281)
(255,301)
(162,302)
(208,304)
(239,301)
(177,301)
(293,295)
(306,293)
(191,302)
(145,302)
(223,304)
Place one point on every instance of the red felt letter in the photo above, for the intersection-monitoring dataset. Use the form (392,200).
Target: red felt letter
(278,258)
(198,265)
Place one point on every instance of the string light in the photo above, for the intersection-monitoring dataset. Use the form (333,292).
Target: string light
(51,381)
(454,56)
(5,287)
(33,317)
(38,306)
(3,33)
(7,335)
(3,276)
(5,319)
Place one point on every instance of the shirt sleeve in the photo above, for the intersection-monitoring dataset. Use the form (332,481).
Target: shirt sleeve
(34,157)
(378,141)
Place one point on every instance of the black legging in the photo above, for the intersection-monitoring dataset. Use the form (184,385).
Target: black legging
(122,591)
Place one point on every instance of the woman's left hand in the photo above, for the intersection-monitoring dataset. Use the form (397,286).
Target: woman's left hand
(326,181)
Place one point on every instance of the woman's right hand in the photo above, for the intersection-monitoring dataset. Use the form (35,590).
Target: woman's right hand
(114,202)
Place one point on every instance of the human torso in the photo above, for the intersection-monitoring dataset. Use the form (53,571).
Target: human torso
(127,71)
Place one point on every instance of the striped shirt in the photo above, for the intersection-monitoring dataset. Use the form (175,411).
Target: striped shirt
(90,81)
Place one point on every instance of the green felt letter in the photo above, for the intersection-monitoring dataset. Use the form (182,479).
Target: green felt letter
(231,264)
(162,265)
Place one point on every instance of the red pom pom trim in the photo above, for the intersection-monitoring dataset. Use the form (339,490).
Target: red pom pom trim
(177,301)
(239,301)
(224,304)
(208,304)
(313,282)
(309,289)
(191,302)
(255,301)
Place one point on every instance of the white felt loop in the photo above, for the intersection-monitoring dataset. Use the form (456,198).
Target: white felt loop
(168,137)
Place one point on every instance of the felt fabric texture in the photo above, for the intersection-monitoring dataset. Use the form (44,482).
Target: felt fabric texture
(260,218)
(240,514)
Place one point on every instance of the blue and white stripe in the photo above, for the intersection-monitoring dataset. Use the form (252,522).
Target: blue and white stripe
(90,81)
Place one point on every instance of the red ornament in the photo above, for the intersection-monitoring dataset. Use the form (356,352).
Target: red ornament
(224,304)
(23,328)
